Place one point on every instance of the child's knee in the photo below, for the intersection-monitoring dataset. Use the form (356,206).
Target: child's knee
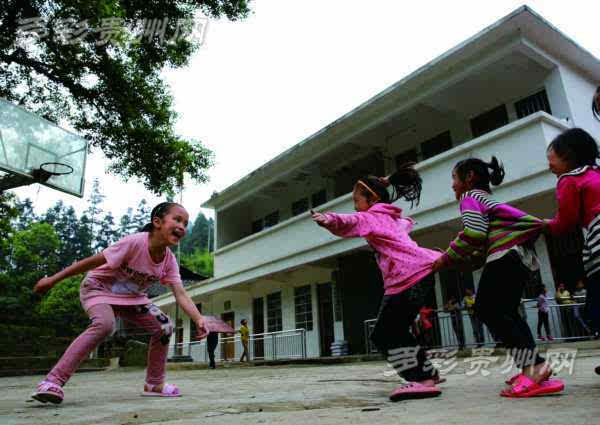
(104,326)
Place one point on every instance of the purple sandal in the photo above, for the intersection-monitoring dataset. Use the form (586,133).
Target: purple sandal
(168,390)
(412,390)
(47,391)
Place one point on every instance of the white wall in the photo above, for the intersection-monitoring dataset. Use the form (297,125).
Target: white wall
(580,90)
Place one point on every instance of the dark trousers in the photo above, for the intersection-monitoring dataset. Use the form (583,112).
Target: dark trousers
(543,320)
(393,338)
(457,325)
(592,302)
(211,344)
(477,329)
(497,304)
(245,353)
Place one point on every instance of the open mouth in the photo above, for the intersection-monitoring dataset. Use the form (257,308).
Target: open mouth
(177,233)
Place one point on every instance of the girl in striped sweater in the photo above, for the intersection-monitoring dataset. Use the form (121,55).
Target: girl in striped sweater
(572,158)
(499,237)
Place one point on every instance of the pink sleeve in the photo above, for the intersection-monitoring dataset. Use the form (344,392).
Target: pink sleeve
(350,225)
(569,207)
(171,275)
(119,252)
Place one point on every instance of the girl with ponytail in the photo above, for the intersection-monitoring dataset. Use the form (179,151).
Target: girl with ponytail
(573,158)
(115,285)
(403,265)
(501,238)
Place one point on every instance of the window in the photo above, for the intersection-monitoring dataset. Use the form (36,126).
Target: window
(436,145)
(489,121)
(303,307)
(300,206)
(272,219)
(319,198)
(410,155)
(257,225)
(227,305)
(274,320)
(193,330)
(531,104)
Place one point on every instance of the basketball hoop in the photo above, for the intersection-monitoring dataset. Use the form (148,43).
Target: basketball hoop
(50,169)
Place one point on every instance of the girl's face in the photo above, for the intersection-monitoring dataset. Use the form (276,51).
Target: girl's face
(558,166)
(361,203)
(173,226)
(460,186)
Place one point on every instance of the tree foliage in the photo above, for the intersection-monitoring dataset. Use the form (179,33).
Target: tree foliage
(110,92)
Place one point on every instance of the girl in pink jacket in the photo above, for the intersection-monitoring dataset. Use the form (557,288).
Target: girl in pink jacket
(572,157)
(403,265)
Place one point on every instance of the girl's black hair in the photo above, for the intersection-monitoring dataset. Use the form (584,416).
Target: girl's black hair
(576,145)
(406,183)
(596,104)
(159,211)
(484,172)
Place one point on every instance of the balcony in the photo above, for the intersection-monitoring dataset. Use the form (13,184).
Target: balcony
(521,145)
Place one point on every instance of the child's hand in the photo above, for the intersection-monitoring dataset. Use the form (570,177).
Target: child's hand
(43,285)
(202,332)
(320,219)
(437,265)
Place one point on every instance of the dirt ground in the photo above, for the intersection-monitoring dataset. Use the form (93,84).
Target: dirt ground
(354,393)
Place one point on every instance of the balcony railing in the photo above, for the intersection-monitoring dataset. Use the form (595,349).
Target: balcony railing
(290,344)
(521,145)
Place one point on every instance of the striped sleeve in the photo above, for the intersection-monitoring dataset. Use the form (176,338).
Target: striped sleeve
(473,237)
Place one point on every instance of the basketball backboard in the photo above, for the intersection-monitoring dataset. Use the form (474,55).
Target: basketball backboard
(29,144)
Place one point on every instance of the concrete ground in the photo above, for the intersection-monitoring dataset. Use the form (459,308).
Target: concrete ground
(353,393)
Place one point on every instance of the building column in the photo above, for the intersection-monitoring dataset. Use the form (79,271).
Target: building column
(541,250)
(438,292)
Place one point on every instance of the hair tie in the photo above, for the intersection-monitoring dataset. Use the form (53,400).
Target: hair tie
(377,197)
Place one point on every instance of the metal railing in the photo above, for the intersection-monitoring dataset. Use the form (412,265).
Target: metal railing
(459,329)
(290,344)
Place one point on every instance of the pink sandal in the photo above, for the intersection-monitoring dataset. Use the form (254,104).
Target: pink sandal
(546,377)
(47,391)
(526,387)
(167,391)
(412,390)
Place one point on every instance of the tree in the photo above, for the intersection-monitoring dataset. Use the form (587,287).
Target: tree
(126,225)
(141,216)
(107,234)
(198,236)
(110,91)
(61,308)
(94,210)
(33,255)
(8,212)
(199,261)
(26,214)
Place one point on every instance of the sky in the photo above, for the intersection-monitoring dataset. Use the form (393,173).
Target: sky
(259,86)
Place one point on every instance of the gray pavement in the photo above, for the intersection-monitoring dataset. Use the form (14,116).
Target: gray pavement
(353,393)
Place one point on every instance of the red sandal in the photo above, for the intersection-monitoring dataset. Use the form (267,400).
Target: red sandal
(524,386)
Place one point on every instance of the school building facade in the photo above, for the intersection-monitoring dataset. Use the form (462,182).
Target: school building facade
(506,91)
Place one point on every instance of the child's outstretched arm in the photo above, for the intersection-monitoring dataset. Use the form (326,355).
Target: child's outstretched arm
(83,266)
(183,299)
(345,225)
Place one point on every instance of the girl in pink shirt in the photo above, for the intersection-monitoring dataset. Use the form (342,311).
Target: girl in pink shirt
(403,265)
(572,157)
(115,286)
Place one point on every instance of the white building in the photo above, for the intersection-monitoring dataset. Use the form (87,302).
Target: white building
(507,91)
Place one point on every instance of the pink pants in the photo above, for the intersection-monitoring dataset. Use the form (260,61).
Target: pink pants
(148,317)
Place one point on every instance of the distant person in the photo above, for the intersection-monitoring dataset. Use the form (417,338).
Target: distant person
(453,307)
(245,336)
(579,310)
(212,340)
(469,303)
